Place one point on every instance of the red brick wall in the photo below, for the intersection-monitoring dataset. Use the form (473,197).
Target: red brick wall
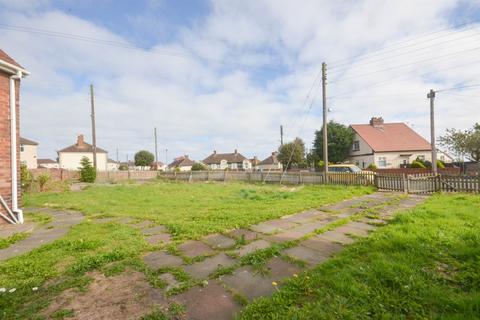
(5,164)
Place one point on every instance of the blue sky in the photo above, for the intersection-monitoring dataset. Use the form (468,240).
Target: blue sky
(225,74)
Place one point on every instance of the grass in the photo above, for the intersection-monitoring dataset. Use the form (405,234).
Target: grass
(424,265)
(188,210)
(192,210)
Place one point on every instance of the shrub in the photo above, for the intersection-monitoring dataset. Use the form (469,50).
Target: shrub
(42,180)
(372,166)
(87,171)
(417,164)
(440,164)
(26,178)
(123,167)
(197,166)
(144,158)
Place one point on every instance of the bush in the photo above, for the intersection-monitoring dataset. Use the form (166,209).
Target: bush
(418,164)
(87,171)
(144,158)
(372,166)
(123,167)
(197,166)
(26,178)
(42,180)
(440,164)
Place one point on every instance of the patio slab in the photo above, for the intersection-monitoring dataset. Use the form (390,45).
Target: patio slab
(158,259)
(253,246)
(248,235)
(285,236)
(249,283)
(210,302)
(336,237)
(219,241)
(353,231)
(158,238)
(273,226)
(280,269)
(323,247)
(154,230)
(309,255)
(203,269)
(195,248)
(170,280)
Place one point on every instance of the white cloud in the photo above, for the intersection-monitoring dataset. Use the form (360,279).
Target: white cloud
(198,104)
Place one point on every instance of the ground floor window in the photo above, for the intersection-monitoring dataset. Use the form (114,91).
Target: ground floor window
(382,162)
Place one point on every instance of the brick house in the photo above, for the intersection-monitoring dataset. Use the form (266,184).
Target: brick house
(11,74)
(227,161)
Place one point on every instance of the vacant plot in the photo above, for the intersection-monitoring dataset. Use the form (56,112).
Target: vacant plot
(38,278)
(423,265)
(193,210)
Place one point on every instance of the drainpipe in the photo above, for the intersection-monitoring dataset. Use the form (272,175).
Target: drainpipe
(13,144)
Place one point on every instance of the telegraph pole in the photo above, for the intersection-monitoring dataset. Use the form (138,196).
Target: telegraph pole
(281,135)
(117,155)
(94,137)
(156,150)
(431,96)
(166,159)
(325,111)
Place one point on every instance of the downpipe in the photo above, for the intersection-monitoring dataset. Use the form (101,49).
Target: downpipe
(13,144)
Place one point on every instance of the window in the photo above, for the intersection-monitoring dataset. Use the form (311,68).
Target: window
(382,162)
(356,145)
(421,157)
(22,148)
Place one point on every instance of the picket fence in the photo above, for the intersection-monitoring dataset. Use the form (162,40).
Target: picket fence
(408,183)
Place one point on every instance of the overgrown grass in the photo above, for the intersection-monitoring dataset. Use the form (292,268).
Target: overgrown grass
(8,241)
(424,265)
(192,210)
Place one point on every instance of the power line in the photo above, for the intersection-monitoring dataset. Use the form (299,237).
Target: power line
(458,88)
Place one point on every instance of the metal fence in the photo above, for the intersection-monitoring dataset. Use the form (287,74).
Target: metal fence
(411,183)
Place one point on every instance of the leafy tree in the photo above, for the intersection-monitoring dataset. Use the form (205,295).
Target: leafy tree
(465,143)
(123,167)
(340,139)
(197,166)
(87,171)
(292,154)
(144,158)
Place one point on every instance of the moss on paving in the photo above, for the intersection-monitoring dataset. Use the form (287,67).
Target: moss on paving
(424,265)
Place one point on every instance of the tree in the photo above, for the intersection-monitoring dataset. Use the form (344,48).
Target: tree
(340,139)
(123,167)
(144,158)
(87,171)
(292,154)
(197,166)
(465,143)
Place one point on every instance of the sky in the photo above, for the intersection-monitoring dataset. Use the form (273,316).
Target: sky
(224,75)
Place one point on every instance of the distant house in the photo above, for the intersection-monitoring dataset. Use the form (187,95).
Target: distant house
(231,161)
(158,166)
(182,163)
(47,164)
(28,153)
(254,163)
(271,163)
(69,157)
(389,145)
(112,165)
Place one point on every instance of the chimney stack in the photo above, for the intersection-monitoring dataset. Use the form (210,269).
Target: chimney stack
(214,151)
(376,122)
(236,151)
(80,140)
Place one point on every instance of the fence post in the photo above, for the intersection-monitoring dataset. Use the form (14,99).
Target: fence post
(405,183)
(299,177)
(261,176)
(224,175)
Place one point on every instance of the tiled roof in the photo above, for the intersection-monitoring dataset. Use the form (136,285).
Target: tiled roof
(391,137)
(85,147)
(216,158)
(183,161)
(270,160)
(45,161)
(25,141)
(5,57)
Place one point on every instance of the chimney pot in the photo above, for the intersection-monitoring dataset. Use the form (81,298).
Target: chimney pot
(376,122)
(236,151)
(214,151)
(80,140)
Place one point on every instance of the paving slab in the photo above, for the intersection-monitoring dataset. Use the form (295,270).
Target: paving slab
(142,224)
(7,230)
(280,269)
(309,255)
(219,241)
(352,231)
(285,236)
(361,226)
(306,216)
(373,221)
(159,259)
(323,247)
(273,226)
(195,248)
(170,280)
(158,238)
(249,283)
(253,246)
(203,269)
(209,302)
(335,236)
(154,230)
(248,235)
(309,227)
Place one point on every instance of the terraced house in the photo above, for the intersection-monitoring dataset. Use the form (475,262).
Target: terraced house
(11,74)
(230,161)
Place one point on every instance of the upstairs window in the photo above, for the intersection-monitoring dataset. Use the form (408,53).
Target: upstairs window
(356,145)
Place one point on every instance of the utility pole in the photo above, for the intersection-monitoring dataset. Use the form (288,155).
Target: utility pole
(431,96)
(281,135)
(94,137)
(325,111)
(166,159)
(117,155)
(156,150)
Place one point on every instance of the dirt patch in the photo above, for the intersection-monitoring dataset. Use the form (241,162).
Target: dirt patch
(125,296)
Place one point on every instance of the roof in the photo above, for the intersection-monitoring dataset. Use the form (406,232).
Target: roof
(85,147)
(270,160)
(216,158)
(255,161)
(6,62)
(25,141)
(391,137)
(183,161)
(45,161)
(111,160)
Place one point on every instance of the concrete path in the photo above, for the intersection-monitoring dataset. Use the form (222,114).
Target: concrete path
(61,223)
(219,297)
